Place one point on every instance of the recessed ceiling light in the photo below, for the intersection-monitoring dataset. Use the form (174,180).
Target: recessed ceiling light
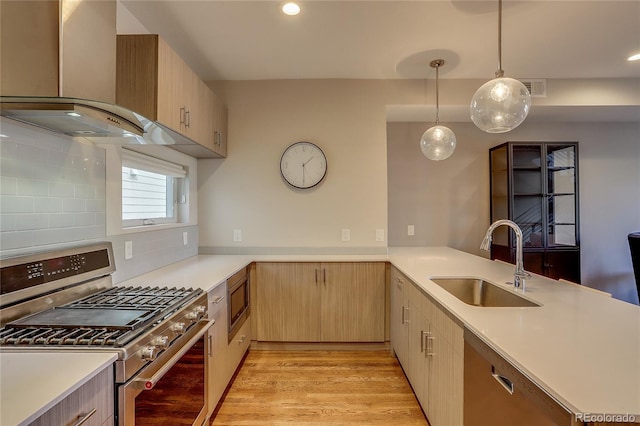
(635,57)
(73,114)
(290,8)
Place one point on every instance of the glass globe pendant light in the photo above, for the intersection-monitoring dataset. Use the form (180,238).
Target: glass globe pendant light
(500,105)
(438,142)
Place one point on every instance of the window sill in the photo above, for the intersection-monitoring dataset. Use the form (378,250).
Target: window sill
(147,228)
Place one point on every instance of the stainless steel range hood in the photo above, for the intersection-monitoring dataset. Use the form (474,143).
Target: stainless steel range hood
(72,58)
(96,121)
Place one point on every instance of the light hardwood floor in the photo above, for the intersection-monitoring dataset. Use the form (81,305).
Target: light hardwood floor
(319,388)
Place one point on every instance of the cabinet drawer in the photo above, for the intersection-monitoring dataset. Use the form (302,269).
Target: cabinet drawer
(217,300)
(96,394)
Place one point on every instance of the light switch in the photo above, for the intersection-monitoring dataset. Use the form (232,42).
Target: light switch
(346,234)
(185,238)
(128,250)
(411,230)
(379,234)
(237,235)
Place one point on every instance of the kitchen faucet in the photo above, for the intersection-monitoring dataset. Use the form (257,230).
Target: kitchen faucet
(520,274)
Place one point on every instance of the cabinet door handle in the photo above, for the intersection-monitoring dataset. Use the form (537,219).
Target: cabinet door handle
(423,335)
(242,339)
(183,118)
(187,118)
(324,277)
(85,417)
(210,339)
(316,275)
(404,319)
(430,340)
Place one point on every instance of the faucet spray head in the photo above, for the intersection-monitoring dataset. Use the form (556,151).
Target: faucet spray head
(486,242)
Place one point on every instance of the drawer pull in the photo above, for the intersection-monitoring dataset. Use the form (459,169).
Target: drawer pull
(217,299)
(85,417)
(504,382)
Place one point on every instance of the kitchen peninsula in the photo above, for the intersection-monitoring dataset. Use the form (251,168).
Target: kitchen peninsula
(580,347)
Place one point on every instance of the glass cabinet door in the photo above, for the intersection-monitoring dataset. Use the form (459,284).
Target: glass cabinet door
(561,195)
(528,200)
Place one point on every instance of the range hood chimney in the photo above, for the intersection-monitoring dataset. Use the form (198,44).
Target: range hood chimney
(61,75)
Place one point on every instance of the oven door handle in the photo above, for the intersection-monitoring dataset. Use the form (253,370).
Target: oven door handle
(149,383)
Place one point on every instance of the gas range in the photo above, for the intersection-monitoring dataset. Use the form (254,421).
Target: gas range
(65,301)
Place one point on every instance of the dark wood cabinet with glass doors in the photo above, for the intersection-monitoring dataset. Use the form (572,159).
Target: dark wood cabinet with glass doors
(535,184)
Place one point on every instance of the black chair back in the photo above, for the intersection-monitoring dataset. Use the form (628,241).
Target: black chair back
(634,246)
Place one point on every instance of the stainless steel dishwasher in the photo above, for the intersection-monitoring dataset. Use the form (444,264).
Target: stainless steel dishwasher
(497,394)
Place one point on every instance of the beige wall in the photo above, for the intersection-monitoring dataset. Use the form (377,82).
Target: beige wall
(347,119)
(448,201)
(245,191)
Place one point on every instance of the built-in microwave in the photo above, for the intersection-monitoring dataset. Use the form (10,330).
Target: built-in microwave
(237,301)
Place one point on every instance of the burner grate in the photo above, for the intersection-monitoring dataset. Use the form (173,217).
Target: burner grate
(64,337)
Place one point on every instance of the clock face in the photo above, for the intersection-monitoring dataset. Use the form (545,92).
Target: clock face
(303,165)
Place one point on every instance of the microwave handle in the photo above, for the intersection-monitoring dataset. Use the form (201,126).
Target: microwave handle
(149,383)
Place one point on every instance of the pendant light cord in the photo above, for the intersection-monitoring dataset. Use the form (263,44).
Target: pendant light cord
(437,97)
(499,72)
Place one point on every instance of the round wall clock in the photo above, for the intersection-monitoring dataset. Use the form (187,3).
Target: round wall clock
(303,165)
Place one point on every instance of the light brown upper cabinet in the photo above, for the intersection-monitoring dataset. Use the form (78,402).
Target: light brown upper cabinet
(49,48)
(320,302)
(154,81)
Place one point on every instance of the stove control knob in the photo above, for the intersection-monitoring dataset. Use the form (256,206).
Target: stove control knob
(178,327)
(201,309)
(161,342)
(149,353)
(192,316)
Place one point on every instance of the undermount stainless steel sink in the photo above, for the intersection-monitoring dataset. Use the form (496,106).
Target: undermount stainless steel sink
(478,292)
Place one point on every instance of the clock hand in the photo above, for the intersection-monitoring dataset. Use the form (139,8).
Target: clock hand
(303,164)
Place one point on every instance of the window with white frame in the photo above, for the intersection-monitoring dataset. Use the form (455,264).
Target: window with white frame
(151,189)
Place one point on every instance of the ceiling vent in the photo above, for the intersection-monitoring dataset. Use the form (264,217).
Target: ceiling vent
(537,87)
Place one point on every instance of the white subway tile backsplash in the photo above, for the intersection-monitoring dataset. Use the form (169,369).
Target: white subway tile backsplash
(45,182)
(62,220)
(16,204)
(85,219)
(8,222)
(17,240)
(27,222)
(61,189)
(32,155)
(73,205)
(85,191)
(33,187)
(73,209)
(8,185)
(47,205)
(96,205)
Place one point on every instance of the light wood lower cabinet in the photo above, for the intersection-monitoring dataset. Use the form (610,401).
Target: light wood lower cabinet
(429,345)
(320,302)
(224,356)
(92,402)
(218,376)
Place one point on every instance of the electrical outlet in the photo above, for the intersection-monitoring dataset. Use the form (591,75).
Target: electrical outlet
(237,235)
(346,234)
(411,230)
(185,238)
(128,250)
(379,234)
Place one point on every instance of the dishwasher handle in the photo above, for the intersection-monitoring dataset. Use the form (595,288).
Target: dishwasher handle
(504,382)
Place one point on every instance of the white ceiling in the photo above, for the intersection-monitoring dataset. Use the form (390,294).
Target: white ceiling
(248,40)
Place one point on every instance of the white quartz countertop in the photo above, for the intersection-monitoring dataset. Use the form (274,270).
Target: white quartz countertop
(33,382)
(583,348)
